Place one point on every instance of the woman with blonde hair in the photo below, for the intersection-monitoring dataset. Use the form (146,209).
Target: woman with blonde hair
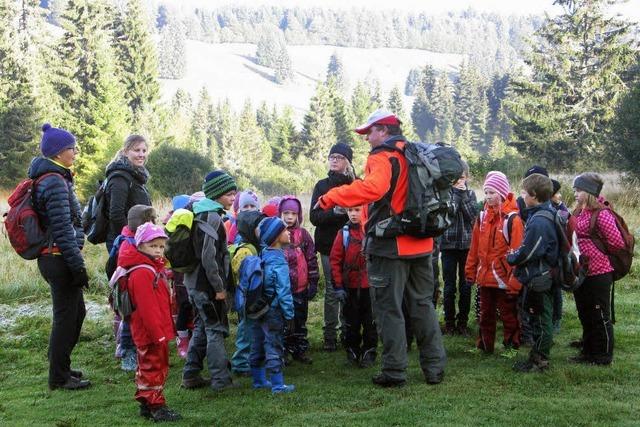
(126,179)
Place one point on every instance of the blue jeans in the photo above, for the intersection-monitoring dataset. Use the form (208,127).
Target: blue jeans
(240,358)
(267,349)
(209,332)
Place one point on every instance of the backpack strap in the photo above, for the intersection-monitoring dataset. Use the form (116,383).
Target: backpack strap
(122,272)
(345,237)
(507,226)
(210,229)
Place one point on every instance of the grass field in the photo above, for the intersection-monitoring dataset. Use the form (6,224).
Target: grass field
(478,390)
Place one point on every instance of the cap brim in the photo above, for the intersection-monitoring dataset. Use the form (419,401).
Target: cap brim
(363,130)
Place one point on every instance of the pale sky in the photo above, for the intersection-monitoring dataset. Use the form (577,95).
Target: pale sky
(631,9)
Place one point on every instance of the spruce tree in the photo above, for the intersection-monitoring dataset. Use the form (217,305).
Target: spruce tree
(251,149)
(284,138)
(19,114)
(625,132)
(335,72)
(318,130)
(201,124)
(136,57)
(561,113)
(394,103)
(224,129)
(88,89)
(422,114)
(442,105)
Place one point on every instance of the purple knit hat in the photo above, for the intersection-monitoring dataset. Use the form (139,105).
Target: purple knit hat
(54,140)
(148,232)
(497,181)
(246,198)
(291,203)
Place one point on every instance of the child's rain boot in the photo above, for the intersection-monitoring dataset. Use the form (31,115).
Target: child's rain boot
(182,343)
(278,385)
(260,378)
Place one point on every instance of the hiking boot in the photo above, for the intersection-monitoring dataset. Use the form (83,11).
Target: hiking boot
(229,386)
(463,330)
(576,343)
(434,379)
(368,358)
(129,361)
(145,412)
(449,329)
(330,345)
(72,383)
(303,358)
(75,373)
(533,364)
(382,380)
(163,413)
(194,382)
(580,359)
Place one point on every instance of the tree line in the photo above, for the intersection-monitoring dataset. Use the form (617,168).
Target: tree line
(574,105)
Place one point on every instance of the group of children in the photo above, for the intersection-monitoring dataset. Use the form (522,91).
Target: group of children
(508,247)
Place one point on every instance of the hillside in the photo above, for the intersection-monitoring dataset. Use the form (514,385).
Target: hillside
(229,70)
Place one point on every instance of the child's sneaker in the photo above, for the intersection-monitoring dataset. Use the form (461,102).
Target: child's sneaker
(164,414)
(509,352)
(129,361)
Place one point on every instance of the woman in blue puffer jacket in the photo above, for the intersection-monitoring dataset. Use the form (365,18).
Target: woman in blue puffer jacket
(60,262)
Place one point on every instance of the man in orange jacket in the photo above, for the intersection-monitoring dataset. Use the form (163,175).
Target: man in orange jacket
(398,266)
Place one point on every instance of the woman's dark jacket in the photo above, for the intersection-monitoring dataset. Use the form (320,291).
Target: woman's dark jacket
(59,210)
(125,188)
(327,222)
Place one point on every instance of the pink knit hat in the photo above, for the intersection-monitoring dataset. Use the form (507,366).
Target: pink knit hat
(148,232)
(497,181)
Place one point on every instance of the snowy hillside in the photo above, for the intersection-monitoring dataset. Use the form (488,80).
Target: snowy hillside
(229,70)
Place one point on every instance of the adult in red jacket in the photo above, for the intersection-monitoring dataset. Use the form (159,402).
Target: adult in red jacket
(151,322)
(399,266)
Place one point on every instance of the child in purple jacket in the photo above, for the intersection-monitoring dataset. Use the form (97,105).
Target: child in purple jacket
(303,274)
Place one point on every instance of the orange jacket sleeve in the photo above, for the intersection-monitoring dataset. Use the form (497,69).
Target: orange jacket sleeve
(373,187)
(471,266)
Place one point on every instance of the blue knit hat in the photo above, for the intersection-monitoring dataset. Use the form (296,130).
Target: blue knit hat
(269,229)
(218,183)
(179,202)
(55,140)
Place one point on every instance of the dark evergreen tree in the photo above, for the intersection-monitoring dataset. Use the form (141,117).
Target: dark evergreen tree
(318,130)
(201,125)
(624,147)
(136,57)
(395,104)
(284,138)
(335,72)
(412,82)
(561,113)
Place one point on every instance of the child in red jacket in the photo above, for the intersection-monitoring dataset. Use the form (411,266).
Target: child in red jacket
(349,270)
(151,323)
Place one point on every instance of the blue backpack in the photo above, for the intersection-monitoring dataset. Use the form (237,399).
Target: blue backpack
(251,295)
(112,261)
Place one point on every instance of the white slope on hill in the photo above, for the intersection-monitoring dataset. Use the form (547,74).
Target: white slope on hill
(229,71)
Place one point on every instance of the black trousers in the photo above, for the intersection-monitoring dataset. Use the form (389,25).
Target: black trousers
(358,313)
(68,315)
(453,262)
(593,302)
(296,342)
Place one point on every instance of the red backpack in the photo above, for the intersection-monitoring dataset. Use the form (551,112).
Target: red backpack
(22,222)
(621,259)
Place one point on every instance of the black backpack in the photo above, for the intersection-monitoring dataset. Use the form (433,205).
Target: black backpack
(428,209)
(95,216)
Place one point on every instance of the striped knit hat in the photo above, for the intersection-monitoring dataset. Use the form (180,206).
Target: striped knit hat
(269,229)
(218,183)
(497,181)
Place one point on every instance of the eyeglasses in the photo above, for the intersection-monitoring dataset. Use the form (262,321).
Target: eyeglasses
(336,157)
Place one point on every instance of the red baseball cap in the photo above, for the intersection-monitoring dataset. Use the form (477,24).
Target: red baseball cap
(378,117)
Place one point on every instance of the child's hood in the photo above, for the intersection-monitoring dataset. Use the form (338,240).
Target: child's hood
(129,256)
(288,200)
(247,222)
(207,205)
